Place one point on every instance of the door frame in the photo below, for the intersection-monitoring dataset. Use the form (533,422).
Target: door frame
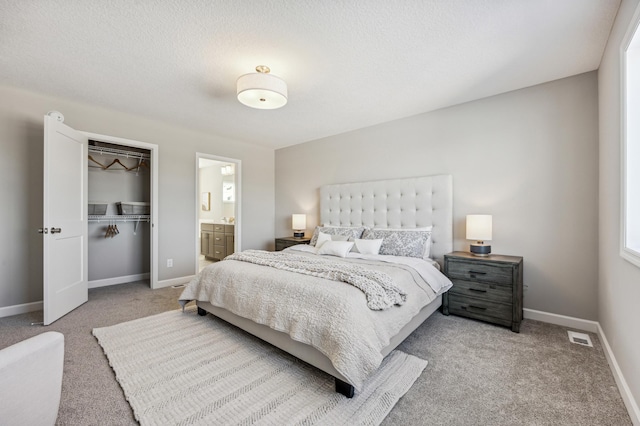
(238,204)
(153,148)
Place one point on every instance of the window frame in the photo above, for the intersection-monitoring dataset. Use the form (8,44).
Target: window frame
(633,31)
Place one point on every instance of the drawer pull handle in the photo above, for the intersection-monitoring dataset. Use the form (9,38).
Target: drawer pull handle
(477,290)
(474,307)
(477,273)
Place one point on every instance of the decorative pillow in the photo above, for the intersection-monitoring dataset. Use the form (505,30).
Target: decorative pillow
(367,246)
(322,238)
(427,245)
(336,248)
(351,233)
(406,242)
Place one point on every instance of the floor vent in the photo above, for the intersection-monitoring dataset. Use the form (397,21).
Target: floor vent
(580,339)
(178,286)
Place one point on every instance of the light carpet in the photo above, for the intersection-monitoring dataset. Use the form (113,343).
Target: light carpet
(180,368)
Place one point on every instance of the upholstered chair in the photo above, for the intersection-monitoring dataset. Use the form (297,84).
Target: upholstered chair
(31,380)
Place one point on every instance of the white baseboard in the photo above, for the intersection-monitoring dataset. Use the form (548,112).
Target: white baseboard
(118,280)
(593,327)
(8,311)
(625,392)
(175,281)
(565,321)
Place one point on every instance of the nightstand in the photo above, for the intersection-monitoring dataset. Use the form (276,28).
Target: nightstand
(485,288)
(283,243)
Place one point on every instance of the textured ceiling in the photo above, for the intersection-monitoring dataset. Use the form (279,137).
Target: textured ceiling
(348,64)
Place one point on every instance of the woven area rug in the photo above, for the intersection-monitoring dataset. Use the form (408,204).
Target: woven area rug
(180,368)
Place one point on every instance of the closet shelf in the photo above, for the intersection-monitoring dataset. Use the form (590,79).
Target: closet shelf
(119,218)
(120,152)
(135,218)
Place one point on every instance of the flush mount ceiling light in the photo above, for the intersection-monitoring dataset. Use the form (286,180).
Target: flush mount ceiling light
(262,90)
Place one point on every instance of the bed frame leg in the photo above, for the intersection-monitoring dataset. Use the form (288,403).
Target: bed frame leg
(201,311)
(344,388)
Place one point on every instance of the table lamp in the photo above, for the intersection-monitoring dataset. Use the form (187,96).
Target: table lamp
(479,228)
(299,225)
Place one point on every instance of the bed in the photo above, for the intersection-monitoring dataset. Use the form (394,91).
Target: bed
(390,207)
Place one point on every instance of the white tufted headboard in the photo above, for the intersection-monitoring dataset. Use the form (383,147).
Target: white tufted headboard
(396,203)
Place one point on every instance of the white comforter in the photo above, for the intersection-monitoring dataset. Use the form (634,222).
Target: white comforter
(331,316)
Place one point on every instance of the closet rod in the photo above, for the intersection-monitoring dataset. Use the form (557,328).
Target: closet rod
(120,152)
(136,219)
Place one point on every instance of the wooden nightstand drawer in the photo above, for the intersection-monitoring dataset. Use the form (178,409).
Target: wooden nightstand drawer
(474,271)
(218,238)
(485,288)
(480,309)
(485,291)
(218,228)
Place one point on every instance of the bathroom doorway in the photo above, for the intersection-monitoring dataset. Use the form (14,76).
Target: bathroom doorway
(217,208)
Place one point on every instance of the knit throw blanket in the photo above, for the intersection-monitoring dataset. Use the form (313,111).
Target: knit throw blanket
(378,287)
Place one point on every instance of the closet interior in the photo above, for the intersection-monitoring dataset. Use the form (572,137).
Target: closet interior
(119,189)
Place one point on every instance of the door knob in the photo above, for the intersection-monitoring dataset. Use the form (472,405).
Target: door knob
(43,230)
(56,230)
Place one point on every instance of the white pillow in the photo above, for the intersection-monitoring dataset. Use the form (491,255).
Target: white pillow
(322,238)
(368,246)
(427,249)
(336,248)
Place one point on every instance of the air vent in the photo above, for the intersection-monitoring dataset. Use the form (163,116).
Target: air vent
(580,338)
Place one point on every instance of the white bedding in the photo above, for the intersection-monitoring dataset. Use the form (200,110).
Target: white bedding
(429,269)
(331,316)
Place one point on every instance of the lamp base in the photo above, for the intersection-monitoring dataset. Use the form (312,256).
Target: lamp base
(480,249)
(298,234)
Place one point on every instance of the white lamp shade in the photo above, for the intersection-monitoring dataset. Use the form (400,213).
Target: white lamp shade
(262,91)
(299,222)
(479,227)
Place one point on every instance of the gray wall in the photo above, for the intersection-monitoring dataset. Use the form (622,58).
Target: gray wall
(21,135)
(528,157)
(619,280)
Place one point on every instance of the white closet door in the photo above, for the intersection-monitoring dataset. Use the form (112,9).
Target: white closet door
(65,219)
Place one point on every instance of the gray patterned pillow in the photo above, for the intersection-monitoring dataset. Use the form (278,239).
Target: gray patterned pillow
(351,233)
(400,243)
